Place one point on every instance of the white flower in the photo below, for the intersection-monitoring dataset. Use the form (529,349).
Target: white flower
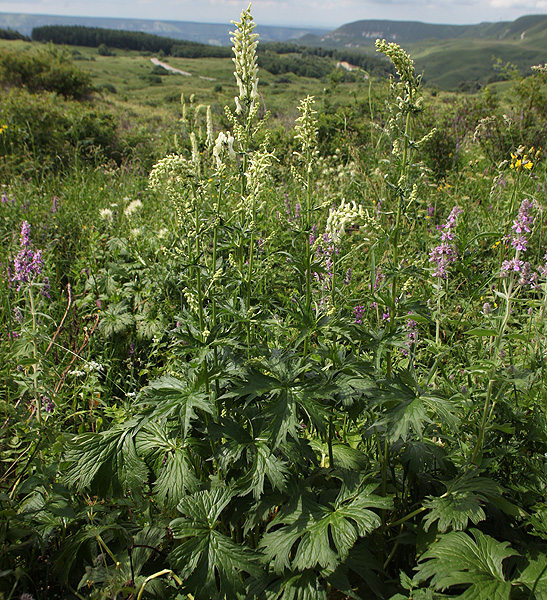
(132,207)
(106,214)
(245,60)
(338,218)
(224,140)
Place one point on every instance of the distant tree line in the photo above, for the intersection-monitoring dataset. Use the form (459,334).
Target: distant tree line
(278,58)
(93,37)
(11,34)
(307,61)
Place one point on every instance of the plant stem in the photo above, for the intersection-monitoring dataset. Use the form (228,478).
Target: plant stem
(35,364)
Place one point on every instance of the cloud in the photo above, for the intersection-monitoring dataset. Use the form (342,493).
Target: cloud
(523,7)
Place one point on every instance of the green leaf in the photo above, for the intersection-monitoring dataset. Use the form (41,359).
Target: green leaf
(344,456)
(106,460)
(410,414)
(208,560)
(171,397)
(175,477)
(534,576)
(325,533)
(481,332)
(462,502)
(456,559)
(290,585)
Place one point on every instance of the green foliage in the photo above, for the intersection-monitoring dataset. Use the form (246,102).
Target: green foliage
(49,70)
(97,37)
(54,134)
(11,34)
(208,560)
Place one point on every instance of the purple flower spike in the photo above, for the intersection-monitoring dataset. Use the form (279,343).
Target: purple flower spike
(445,253)
(28,263)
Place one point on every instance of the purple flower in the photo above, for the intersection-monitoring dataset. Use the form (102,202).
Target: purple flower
(18,315)
(28,263)
(48,404)
(359,311)
(511,265)
(412,334)
(445,253)
(525,274)
(521,226)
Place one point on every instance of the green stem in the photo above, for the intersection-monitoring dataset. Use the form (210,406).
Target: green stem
(198,283)
(35,364)
(308,246)
(329,441)
(396,235)
(214,270)
(486,409)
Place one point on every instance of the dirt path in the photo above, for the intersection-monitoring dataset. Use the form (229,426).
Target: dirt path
(167,67)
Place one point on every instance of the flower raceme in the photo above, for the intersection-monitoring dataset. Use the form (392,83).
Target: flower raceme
(445,253)
(28,263)
(224,141)
(246,73)
(521,226)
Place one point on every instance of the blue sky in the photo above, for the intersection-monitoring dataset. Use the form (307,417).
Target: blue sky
(320,13)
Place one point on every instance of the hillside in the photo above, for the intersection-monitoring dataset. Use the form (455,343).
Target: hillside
(450,56)
(363,34)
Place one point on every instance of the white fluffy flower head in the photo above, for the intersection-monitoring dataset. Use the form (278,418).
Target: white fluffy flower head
(244,47)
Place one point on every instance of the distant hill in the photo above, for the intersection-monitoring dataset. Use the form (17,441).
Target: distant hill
(450,56)
(204,33)
(363,34)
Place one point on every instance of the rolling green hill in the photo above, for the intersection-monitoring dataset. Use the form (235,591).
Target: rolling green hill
(450,56)
(363,34)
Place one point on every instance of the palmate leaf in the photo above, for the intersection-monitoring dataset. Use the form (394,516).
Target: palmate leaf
(209,561)
(171,462)
(285,394)
(462,502)
(171,397)
(175,477)
(106,460)
(344,455)
(325,533)
(456,559)
(534,576)
(304,585)
(265,464)
(411,408)
(253,457)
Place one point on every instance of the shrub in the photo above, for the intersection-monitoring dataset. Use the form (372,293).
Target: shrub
(49,70)
(43,131)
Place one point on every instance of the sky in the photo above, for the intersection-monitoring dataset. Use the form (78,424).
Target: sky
(311,13)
